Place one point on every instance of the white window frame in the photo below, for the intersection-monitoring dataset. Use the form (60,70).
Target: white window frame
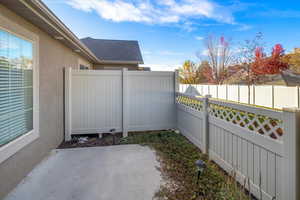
(19,143)
(84,63)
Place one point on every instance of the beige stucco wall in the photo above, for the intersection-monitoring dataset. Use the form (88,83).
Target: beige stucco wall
(85,63)
(116,66)
(53,57)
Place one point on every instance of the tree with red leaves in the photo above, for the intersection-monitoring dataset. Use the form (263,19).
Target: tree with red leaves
(269,65)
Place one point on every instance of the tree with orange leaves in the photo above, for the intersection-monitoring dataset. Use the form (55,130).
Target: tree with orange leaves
(269,65)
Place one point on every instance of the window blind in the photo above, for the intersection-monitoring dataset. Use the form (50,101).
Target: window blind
(16,87)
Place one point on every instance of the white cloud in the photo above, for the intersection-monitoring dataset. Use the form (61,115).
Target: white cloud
(169,19)
(199,38)
(155,11)
(167,2)
(244,27)
(116,11)
(188,26)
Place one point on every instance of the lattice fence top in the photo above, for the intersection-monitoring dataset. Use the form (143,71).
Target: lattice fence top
(251,121)
(192,102)
(257,123)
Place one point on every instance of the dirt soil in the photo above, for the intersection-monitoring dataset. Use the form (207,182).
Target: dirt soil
(93,140)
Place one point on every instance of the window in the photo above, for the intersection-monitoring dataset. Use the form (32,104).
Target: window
(19,87)
(83,67)
(16,87)
(83,64)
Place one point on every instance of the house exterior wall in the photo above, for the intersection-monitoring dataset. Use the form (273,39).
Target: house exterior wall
(116,66)
(84,63)
(53,57)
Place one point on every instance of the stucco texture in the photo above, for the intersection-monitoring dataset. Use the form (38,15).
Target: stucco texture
(53,57)
(116,66)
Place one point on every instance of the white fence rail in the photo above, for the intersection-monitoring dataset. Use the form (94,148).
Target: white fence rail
(98,101)
(257,144)
(273,96)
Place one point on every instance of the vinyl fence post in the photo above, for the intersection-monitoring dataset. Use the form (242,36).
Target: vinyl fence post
(205,130)
(176,90)
(291,154)
(249,94)
(226,92)
(298,96)
(176,80)
(68,104)
(125,102)
(273,100)
(239,94)
(253,94)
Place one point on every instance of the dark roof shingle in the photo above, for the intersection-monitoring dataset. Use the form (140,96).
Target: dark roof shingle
(115,50)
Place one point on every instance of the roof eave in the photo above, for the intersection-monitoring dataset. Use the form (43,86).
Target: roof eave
(67,32)
(38,9)
(120,62)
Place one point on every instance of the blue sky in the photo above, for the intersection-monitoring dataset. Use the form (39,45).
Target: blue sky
(171,31)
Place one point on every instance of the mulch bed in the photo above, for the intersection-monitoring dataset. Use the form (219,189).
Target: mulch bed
(94,141)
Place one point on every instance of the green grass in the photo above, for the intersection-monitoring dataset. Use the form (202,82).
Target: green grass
(177,157)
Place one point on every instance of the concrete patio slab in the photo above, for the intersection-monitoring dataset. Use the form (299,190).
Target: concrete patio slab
(126,172)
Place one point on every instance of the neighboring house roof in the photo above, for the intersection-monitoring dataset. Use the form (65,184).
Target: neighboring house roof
(115,51)
(36,12)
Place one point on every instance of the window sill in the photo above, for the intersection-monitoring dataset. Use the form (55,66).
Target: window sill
(16,145)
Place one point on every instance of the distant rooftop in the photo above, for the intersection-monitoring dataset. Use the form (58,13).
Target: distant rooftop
(115,51)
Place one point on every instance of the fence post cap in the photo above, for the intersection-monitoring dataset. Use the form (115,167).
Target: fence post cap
(291,109)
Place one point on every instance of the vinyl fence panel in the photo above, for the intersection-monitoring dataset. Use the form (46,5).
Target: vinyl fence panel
(256,145)
(244,94)
(96,101)
(234,92)
(151,100)
(222,91)
(263,96)
(248,148)
(190,120)
(205,90)
(213,91)
(272,96)
(99,101)
(285,96)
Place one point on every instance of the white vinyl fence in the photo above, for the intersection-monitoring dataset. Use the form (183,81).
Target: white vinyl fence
(260,146)
(272,96)
(97,101)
